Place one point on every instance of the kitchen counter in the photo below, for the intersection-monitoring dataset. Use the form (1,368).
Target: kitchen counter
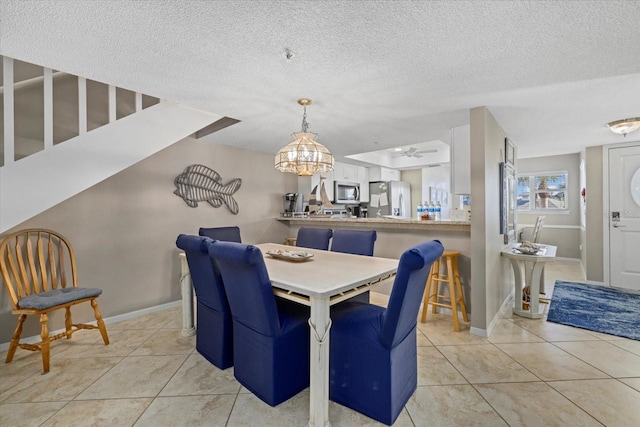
(380,224)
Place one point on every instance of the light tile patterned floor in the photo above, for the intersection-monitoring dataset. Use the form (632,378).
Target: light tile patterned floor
(528,372)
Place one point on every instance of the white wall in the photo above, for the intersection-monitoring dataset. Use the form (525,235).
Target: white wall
(438,177)
(123,229)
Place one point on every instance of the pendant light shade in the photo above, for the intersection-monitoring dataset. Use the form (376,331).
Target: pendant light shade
(304,156)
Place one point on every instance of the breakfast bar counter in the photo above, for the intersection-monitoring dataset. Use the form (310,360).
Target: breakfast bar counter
(380,224)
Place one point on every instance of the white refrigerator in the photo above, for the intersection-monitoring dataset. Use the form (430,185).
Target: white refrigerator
(390,199)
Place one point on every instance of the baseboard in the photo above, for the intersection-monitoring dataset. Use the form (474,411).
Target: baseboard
(478,332)
(107,320)
(593,282)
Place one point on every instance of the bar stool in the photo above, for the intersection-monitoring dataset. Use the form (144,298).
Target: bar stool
(452,278)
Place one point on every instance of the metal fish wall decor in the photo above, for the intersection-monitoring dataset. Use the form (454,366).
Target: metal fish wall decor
(198,183)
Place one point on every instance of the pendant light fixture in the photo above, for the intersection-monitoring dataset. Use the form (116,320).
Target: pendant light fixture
(304,156)
(625,126)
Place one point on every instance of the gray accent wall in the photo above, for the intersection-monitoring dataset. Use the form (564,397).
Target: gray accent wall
(560,229)
(593,243)
(124,228)
(492,279)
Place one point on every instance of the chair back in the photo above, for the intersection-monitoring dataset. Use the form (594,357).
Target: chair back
(247,285)
(357,242)
(314,238)
(227,234)
(536,229)
(36,260)
(205,274)
(401,314)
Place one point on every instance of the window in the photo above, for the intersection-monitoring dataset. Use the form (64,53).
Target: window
(545,191)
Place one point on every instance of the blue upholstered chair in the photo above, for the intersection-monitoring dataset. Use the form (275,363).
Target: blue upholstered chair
(227,234)
(314,238)
(357,242)
(214,335)
(373,354)
(270,336)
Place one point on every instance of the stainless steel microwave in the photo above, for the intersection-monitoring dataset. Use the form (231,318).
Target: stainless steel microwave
(347,193)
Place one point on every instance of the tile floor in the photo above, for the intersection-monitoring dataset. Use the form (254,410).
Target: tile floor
(527,373)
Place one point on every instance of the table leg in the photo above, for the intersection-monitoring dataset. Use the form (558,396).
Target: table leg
(536,275)
(519,284)
(320,324)
(187,299)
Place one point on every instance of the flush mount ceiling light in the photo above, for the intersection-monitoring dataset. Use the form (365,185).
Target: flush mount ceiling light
(304,156)
(625,126)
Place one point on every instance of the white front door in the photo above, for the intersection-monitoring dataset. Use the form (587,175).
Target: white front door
(624,217)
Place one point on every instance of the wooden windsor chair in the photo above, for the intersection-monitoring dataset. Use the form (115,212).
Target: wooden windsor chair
(38,267)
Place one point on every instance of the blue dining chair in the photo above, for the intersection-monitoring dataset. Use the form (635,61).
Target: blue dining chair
(373,353)
(227,234)
(270,336)
(214,333)
(356,242)
(314,238)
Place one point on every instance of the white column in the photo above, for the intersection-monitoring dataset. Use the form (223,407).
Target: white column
(9,131)
(82,105)
(48,108)
(112,103)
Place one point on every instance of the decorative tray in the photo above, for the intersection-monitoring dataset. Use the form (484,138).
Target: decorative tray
(528,248)
(294,256)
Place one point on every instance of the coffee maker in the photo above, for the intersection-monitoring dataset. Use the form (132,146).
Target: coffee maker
(293,202)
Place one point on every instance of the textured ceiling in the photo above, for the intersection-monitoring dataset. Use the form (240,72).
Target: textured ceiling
(381,73)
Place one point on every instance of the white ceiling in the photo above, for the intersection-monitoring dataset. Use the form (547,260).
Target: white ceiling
(381,73)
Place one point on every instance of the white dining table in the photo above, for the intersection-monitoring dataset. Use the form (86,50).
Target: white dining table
(325,279)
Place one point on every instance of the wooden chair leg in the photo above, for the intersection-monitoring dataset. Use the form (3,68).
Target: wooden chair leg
(427,296)
(15,339)
(452,294)
(45,347)
(67,322)
(436,284)
(101,326)
(460,296)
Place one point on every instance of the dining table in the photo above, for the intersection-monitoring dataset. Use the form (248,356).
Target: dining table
(319,280)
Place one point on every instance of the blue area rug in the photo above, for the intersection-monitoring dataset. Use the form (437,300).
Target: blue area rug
(596,308)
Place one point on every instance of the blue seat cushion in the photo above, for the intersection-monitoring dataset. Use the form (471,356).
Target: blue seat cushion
(55,297)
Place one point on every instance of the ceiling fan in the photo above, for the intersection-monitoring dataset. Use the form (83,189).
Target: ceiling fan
(414,152)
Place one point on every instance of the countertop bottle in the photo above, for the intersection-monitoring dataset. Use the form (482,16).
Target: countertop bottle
(425,212)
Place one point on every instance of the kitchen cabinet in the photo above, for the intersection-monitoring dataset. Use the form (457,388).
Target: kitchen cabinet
(461,160)
(345,172)
(380,173)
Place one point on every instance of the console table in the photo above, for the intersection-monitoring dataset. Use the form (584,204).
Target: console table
(547,254)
